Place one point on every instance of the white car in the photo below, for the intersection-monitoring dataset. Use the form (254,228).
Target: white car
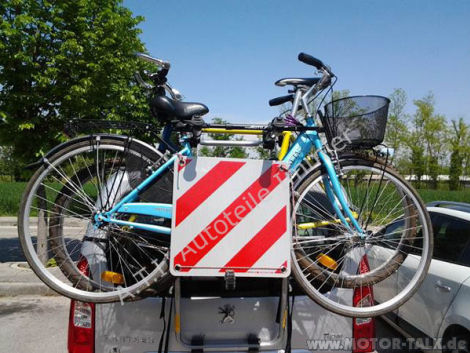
(439,313)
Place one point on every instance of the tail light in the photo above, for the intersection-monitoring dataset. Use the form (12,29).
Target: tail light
(81,338)
(363,329)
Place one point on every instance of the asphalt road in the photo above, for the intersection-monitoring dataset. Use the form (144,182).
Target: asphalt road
(10,248)
(33,324)
(29,324)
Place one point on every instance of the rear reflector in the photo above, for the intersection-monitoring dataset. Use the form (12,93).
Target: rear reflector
(112,277)
(363,328)
(81,337)
(327,261)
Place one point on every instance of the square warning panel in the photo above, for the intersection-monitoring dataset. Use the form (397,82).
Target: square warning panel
(230,215)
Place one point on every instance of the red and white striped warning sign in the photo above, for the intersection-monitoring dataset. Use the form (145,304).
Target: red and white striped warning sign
(230,214)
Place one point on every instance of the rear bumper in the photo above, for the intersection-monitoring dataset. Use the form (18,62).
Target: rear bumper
(137,327)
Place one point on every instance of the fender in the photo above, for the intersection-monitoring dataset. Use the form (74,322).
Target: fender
(79,139)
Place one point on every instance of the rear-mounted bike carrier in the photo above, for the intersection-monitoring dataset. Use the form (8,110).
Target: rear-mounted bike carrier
(231,218)
(252,342)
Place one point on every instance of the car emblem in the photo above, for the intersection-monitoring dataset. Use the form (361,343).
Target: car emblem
(229,314)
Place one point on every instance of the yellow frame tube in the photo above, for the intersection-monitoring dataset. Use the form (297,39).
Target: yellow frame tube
(285,144)
(311,225)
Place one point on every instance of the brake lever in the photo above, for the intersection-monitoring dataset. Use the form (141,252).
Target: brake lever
(141,82)
(148,58)
(174,93)
(325,82)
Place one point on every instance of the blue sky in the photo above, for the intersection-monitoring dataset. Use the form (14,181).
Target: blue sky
(227,54)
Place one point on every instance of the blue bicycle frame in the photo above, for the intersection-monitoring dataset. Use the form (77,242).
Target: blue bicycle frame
(297,152)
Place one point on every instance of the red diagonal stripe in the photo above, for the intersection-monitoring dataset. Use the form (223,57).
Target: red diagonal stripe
(259,244)
(204,188)
(284,265)
(185,162)
(229,218)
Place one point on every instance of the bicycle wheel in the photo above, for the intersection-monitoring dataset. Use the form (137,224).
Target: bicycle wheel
(334,264)
(56,226)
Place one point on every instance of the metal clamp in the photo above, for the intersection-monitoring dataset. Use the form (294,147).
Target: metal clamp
(230,280)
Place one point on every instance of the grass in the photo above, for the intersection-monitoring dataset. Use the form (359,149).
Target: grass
(11,192)
(445,195)
(10,197)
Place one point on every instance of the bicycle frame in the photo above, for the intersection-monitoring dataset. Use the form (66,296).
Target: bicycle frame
(292,156)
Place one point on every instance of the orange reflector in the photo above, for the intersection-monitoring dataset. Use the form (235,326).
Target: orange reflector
(113,277)
(284,319)
(327,261)
(177,323)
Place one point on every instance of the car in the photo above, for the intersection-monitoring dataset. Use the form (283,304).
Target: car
(439,312)
(205,314)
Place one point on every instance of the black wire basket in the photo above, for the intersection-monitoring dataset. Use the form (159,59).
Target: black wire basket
(356,122)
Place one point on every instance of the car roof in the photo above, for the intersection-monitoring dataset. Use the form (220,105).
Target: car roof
(450,212)
(459,206)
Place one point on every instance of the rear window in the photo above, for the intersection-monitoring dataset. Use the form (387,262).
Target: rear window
(392,235)
(451,239)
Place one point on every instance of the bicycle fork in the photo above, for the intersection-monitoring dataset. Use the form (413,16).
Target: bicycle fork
(336,195)
(301,148)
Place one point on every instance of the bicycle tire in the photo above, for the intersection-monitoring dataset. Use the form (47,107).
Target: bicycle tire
(66,265)
(341,281)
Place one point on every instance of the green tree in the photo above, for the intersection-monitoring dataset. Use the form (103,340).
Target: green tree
(427,139)
(61,60)
(434,131)
(418,162)
(435,134)
(263,153)
(413,140)
(8,165)
(460,135)
(466,153)
(396,125)
(342,93)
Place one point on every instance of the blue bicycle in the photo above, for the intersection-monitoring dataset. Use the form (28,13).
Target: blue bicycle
(95,219)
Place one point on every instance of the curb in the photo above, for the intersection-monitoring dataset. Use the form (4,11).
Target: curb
(18,279)
(17,289)
(8,221)
(13,222)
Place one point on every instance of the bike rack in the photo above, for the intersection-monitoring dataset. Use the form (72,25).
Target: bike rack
(244,143)
(251,344)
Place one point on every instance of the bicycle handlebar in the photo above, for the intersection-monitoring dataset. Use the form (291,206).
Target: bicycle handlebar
(280,100)
(310,60)
(159,77)
(141,82)
(159,62)
(317,63)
